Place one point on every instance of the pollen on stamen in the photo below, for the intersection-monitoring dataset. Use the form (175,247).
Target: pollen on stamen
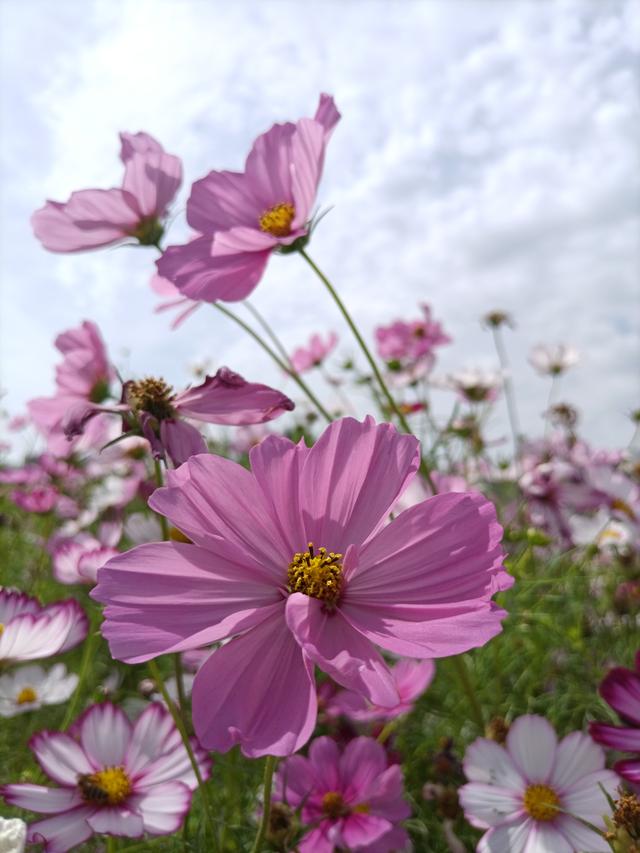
(541,802)
(153,396)
(26,695)
(317,574)
(277,220)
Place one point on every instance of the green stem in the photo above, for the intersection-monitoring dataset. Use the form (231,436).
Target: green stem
(462,671)
(111,844)
(387,731)
(281,364)
(177,719)
(85,666)
(270,333)
(269,767)
(393,406)
(509,392)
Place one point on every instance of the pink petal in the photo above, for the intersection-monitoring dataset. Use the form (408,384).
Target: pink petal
(36,798)
(222,200)
(488,762)
(170,596)
(621,690)
(361,764)
(317,841)
(63,832)
(580,837)
(327,114)
(386,797)
(351,477)
(91,218)
(324,759)
(268,167)
(629,769)
(360,830)
(330,642)
(488,804)
(576,757)
(116,820)
(507,838)
(532,744)
(545,838)
(585,797)
(153,178)
(307,152)
(616,737)
(257,691)
(181,440)
(60,756)
(104,733)
(163,808)
(296,779)
(137,143)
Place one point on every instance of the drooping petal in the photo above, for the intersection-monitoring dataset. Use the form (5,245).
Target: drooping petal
(257,691)
(171,596)
(181,440)
(104,733)
(163,807)
(576,757)
(62,832)
(37,798)
(222,200)
(60,756)
(351,477)
(339,650)
(532,745)
(488,804)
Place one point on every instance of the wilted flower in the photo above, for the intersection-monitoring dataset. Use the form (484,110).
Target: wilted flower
(553,359)
(350,800)
(30,687)
(243,217)
(260,568)
(114,778)
(316,351)
(30,630)
(93,218)
(534,793)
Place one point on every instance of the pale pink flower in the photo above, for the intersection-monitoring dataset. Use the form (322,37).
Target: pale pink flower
(30,630)
(77,560)
(30,687)
(534,793)
(350,800)
(553,359)
(243,217)
(476,385)
(411,341)
(316,351)
(39,499)
(94,218)
(258,571)
(113,778)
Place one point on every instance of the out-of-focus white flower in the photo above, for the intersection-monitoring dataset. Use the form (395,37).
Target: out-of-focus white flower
(474,384)
(13,835)
(553,359)
(31,687)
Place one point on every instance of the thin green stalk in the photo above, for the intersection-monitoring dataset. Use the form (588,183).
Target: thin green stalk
(281,364)
(111,844)
(85,666)
(462,671)
(387,731)
(177,719)
(269,767)
(509,392)
(393,406)
(270,333)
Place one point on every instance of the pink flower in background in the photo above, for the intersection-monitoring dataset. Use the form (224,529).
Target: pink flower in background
(163,287)
(243,216)
(113,778)
(39,499)
(30,687)
(553,359)
(78,560)
(411,679)
(621,690)
(534,793)
(306,358)
(352,800)
(412,341)
(82,377)
(30,630)
(94,218)
(295,561)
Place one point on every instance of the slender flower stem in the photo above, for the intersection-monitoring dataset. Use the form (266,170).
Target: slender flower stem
(269,332)
(509,392)
(387,731)
(462,671)
(281,364)
(177,719)
(393,406)
(85,666)
(111,844)
(269,767)
(552,395)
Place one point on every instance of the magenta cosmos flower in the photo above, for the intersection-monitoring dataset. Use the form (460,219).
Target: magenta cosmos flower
(114,778)
(316,351)
(83,377)
(243,216)
(621,689)
(352,800)
(412,341)
(93,218)
(30,631)
(534,794)
(294,559)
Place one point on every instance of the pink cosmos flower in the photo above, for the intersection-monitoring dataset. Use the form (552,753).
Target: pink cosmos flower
(411,679)
(306,358)
(243,217)
(621,690)
(225,398)
(39,499)
(30,631)
(352,800)
(83,377)
(77,560)
(113,778)
(294,560)
(533,794)
(94,218)
(408,342)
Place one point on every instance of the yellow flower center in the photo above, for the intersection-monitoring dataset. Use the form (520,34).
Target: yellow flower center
(153,396)
(26,695)
(541,802)
(334,806)
(1,629)
(622,506)
(277,220)
(108,787)
(318,575)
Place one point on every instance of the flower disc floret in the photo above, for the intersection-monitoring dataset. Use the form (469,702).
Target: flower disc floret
(333,805)
(153,396)
(318,575)
(277,220)
(541,802)
(26,695)
(110,786)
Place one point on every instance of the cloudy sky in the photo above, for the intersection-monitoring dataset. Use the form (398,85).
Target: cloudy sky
(487,158)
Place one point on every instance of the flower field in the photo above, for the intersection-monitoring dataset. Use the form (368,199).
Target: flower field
(238,619)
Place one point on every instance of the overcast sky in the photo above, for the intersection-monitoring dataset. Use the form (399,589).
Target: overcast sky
(487,158)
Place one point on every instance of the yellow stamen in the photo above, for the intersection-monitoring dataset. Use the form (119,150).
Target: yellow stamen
(1,629)
(318,575)
(153,396)
(541,802)
(277,220)
(107,787)
(334,806)
(26,695)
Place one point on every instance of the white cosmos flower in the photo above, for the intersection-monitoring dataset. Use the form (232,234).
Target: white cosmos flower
(31,687)
(553,359)
(13,835)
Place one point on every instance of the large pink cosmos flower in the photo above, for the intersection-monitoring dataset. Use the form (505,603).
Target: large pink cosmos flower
(243,216)
(93,218)
(30,631)
(621,689)
(534,794)
(353,800)
(113,778)
(295,561)
(82,377)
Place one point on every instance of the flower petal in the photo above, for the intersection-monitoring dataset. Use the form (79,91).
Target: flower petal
(60,756)
(488,804)
(268,167)
(576,757)
(506,838)
(586,799)
(616,737)
(104,733)
(222,200)
(37,798)
(360,830)
(181,440)
(62,832)
(532,746)
(163,807)
(621,689)
(116,820)
(580,837)
(488,762)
